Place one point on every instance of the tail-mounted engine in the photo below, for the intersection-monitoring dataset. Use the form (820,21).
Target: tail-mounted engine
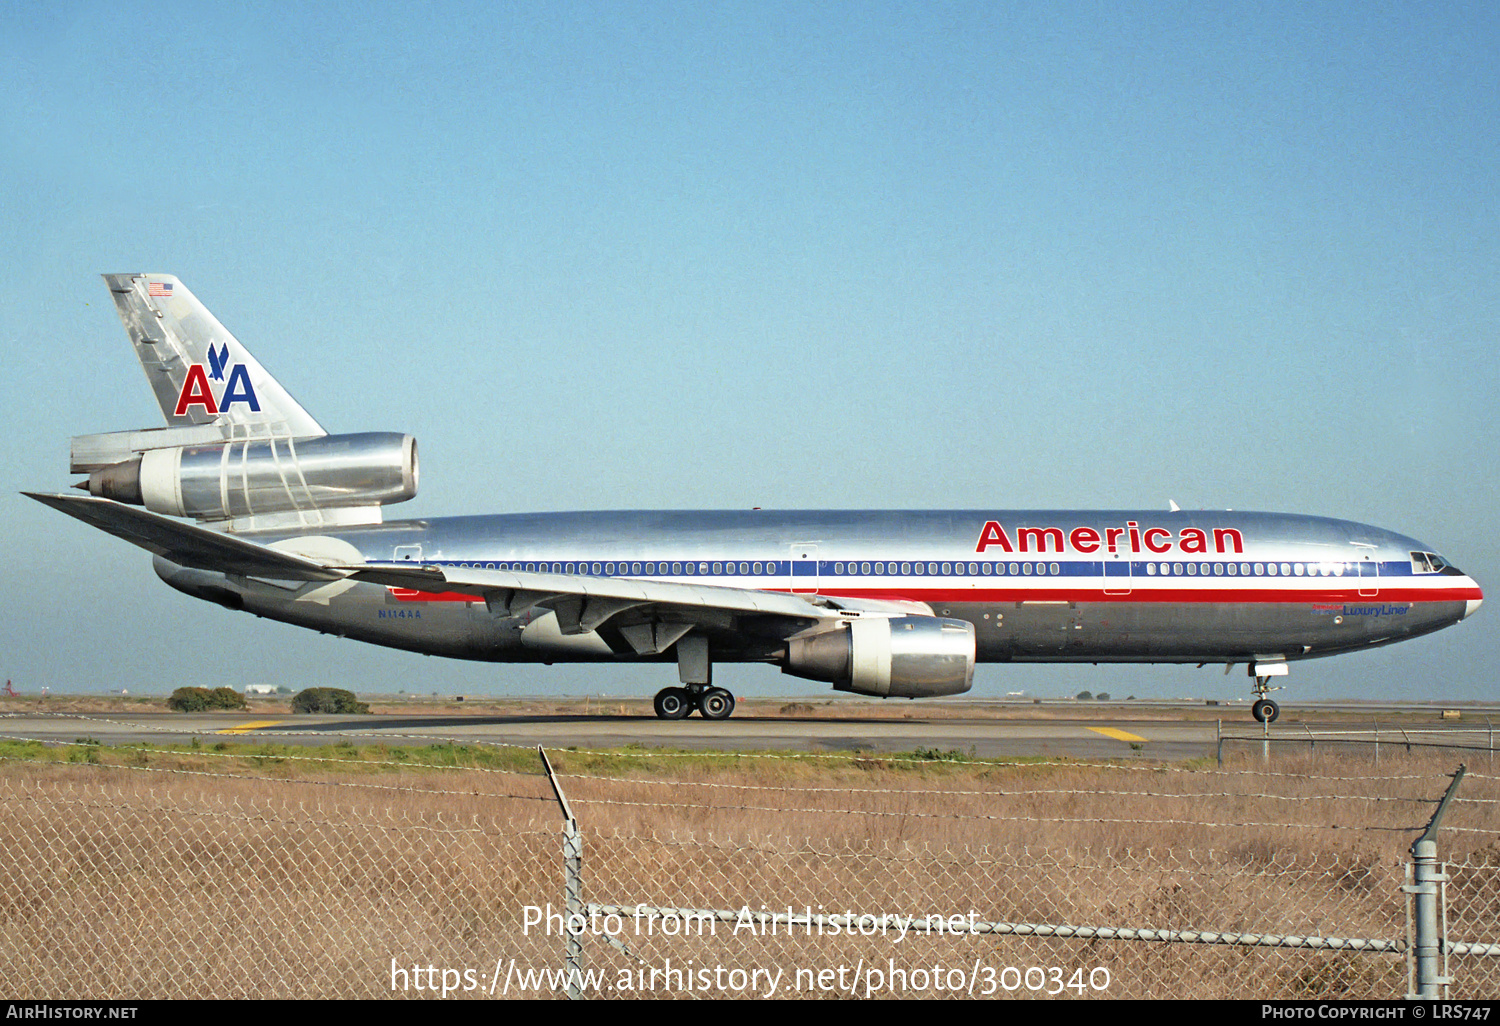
(241,479)
(893,657)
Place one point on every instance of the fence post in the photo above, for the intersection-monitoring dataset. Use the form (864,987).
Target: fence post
(1426,876)
(573,895)
(572,887)
(1430,945)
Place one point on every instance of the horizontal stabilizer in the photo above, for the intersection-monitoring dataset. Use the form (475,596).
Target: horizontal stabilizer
(185,544)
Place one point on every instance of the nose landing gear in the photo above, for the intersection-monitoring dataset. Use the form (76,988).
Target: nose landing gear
(1263,709)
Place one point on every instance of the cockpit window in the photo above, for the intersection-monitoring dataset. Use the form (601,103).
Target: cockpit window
(1427,563)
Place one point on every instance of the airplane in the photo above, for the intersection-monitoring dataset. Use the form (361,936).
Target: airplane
(290,526)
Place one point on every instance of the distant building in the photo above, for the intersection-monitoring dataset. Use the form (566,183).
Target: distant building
(260,689)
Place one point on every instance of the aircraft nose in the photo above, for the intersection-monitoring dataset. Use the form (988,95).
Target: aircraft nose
(1472,607)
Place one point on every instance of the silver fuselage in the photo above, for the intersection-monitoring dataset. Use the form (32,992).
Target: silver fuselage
(1097,586)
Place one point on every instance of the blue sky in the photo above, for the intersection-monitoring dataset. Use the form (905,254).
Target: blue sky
(780,255)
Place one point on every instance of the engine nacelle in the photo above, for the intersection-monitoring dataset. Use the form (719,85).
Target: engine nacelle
(893,657)
(243,479)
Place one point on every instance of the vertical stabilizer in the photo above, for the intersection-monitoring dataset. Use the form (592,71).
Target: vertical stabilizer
(199,371)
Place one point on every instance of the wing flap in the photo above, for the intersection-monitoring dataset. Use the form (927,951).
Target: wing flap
(605,590)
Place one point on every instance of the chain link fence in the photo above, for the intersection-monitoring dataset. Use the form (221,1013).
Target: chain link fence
(904,920)
(1056,880)
(1472,908)
(117,892)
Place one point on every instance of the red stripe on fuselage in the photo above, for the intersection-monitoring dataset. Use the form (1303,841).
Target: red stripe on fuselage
(1188,596)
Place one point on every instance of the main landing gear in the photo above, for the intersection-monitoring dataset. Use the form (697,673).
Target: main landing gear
(679,703)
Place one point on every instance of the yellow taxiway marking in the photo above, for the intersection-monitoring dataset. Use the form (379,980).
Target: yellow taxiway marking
(245,728)
(1118,735)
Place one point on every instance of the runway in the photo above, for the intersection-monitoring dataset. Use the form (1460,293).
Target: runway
(1168,734)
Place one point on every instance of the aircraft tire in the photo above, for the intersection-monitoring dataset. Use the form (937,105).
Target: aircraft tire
(1265,711)
(716,704)
(673,703)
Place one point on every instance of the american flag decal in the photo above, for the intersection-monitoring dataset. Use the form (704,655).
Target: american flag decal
(158,288)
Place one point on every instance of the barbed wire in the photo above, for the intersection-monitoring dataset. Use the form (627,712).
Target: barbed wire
(794,789)
(998,819)
(233,808)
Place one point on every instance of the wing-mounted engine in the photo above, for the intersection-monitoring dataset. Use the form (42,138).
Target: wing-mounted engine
(265,481)
(893,657)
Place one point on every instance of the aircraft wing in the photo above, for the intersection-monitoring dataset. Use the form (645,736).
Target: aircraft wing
(187,544)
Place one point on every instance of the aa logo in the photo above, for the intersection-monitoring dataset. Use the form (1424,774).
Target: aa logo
(196,390)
